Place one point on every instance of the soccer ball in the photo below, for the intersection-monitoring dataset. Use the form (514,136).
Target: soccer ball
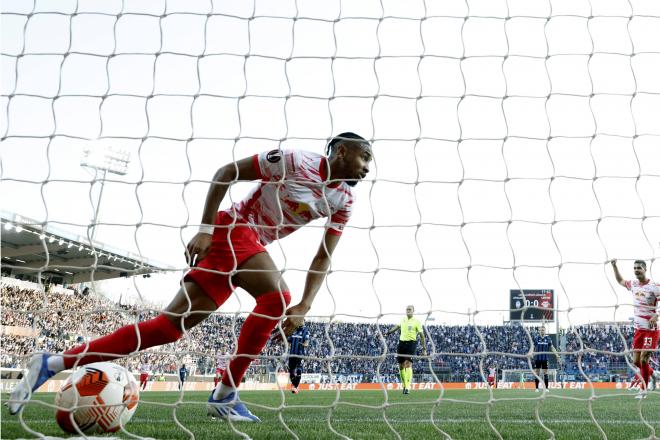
(97,398)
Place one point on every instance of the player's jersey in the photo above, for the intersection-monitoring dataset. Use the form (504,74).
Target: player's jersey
(274,210)
(145,368)
(183,373)
(542,343)
(409,329)
(297,341)
(645,300)
(491,372)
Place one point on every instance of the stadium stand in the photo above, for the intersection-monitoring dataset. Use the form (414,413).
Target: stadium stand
(34,320)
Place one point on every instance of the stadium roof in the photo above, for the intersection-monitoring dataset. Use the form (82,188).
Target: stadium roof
(30,247)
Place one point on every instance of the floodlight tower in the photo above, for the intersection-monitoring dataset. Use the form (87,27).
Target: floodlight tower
(109,160)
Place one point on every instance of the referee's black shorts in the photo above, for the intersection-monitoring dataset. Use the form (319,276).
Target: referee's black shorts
(405,350)
(539,364)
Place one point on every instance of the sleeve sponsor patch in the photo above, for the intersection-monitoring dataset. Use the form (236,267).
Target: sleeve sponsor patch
(274,156)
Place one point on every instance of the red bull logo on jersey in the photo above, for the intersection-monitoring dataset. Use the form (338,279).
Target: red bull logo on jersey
(301,208)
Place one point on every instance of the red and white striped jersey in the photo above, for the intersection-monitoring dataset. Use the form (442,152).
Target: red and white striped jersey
(645,300)
(293,192)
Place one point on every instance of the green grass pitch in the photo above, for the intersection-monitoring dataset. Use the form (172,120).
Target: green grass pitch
(357,414)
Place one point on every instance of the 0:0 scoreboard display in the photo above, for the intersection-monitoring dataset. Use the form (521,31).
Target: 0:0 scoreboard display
(540,305)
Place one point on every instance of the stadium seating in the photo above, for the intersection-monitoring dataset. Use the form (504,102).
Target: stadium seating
(34,320)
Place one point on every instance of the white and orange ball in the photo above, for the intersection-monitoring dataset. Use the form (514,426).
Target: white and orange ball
(97,398)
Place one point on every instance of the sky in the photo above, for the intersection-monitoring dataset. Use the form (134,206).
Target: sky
(509,153)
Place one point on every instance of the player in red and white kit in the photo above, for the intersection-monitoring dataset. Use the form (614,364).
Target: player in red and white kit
(645,299)
(295,188)
(655,375)
(492,377)
(144,374)
(220,367)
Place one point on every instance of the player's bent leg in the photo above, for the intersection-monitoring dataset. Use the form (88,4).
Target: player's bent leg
(41,367)
(190,306)
(37,373)
(255,334)
(163,329)
(224,401)
(261,278)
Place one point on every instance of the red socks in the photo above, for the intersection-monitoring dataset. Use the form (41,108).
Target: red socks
(159,330)
(156,331)
(646,374)
(255,334)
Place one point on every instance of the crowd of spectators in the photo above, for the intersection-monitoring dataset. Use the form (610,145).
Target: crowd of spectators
(598,349)
(55,321)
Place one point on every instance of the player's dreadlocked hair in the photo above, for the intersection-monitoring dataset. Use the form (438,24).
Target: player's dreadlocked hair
(340,138)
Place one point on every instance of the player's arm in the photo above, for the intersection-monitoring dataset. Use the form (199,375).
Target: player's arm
(423,339)
(315,277)
(617,274)
(393,329)
(243,169)
(556,353)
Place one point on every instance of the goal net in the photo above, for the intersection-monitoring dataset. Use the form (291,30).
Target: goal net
(515,148)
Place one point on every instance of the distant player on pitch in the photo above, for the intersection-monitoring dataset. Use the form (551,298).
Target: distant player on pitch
(410,328)
(542,346)
(645,300)
(183,375)
(492,376)
(220,367)
(298,342)
(144,374)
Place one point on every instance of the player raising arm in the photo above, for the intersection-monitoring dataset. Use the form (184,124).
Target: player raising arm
(295,188)
(410,328)
(645,300)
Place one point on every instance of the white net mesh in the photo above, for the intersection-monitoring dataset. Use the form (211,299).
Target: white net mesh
(515,147)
